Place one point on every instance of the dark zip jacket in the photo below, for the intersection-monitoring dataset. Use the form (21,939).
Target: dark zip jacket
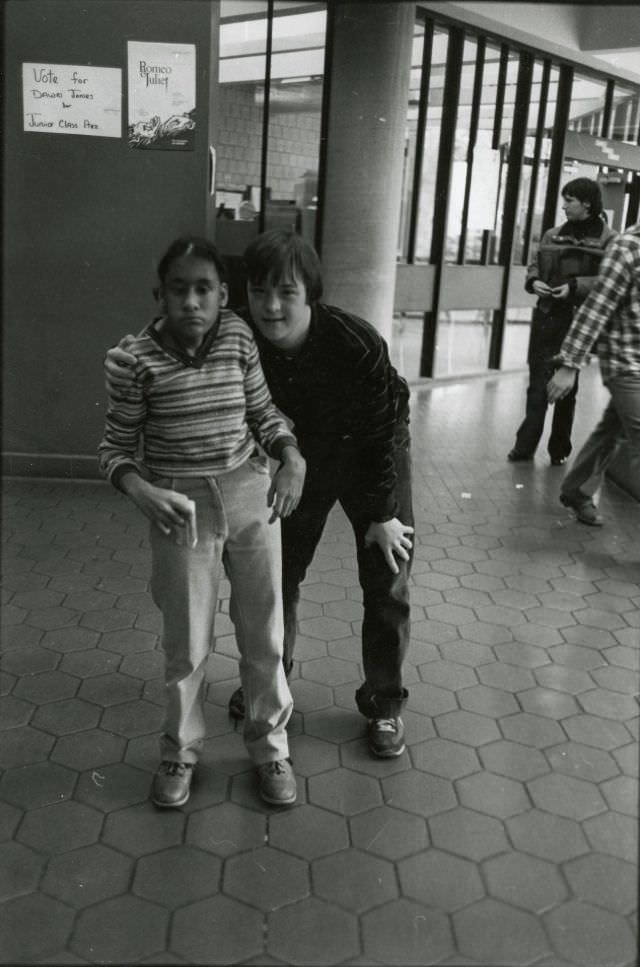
(569,253)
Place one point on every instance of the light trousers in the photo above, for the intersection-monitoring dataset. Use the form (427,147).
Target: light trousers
(620,421)
(233,529)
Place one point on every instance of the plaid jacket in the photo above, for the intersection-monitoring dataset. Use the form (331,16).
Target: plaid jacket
(611,313)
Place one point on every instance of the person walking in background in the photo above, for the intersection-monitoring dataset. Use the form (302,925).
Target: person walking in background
(197,397)
(329,372)
(561,275)
(610,318)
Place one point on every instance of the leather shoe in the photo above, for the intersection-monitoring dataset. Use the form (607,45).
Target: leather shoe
(278,783)
(584,508)
(172,784)
(386,737)
(517,456)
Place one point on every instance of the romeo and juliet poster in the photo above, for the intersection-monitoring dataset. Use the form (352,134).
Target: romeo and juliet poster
(162,96)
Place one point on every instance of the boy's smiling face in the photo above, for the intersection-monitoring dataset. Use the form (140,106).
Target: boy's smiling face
(192,296)
(280,311)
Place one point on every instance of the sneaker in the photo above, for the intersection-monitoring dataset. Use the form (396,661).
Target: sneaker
(584,508)
(386,737)
(236,704)
(278,782)
(517,456)
(172,784)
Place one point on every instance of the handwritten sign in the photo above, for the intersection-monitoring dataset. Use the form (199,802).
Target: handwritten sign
(162,95)
(64,99)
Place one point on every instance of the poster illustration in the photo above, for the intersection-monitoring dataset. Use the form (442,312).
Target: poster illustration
(162,96)
(72,99)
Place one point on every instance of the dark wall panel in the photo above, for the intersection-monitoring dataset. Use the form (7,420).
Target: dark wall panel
(86,218)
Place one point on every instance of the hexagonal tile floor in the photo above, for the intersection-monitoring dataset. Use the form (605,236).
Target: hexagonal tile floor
(505,834)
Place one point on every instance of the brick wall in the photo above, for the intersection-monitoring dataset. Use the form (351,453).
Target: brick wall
(294,142)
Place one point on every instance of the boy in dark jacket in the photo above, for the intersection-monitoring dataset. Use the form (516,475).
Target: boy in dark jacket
(561,275)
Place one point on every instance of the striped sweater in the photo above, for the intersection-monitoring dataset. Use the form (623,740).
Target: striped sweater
(196,415)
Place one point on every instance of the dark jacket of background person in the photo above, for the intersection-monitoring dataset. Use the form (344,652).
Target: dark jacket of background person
(570,253)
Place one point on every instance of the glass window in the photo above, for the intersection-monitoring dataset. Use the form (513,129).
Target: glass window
(629,186)
(415,82)
(429,165)
(462,341)
(485,176)
(459,167)
(625,115)
(552,101)
(295,108)
(543,165)
(524,193)
(243,64)
(508,106)
(517,323)
(515,342)
(587,104)
(406,343)
(504,143)
(293,140)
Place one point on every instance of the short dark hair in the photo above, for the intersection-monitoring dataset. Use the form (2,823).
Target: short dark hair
(277,253)
(194,245)
(587,191)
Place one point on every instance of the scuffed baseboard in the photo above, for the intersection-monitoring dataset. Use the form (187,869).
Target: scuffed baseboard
(68,466)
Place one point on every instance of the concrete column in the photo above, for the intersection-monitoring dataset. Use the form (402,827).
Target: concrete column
(371,59)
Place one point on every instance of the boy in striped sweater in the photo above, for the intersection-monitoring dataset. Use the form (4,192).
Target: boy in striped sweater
(329,372)
(199,402)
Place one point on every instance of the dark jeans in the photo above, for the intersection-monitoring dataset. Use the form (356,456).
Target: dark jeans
(385,628)
(531,428)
